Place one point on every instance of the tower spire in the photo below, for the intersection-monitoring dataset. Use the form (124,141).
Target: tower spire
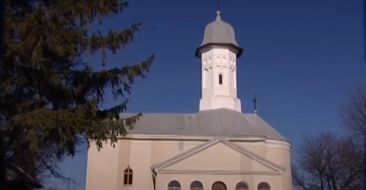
(218,12)
(218,6)
(255,103)
(218,53)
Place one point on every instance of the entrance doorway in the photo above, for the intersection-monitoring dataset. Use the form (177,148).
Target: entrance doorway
(219,186)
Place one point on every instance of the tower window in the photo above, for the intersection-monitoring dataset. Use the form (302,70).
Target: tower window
(220,79)
(128,174)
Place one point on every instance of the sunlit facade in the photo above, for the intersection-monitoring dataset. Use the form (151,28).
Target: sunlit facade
(217,148)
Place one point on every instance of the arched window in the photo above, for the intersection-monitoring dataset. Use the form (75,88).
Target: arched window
(264,186)
(127,176)
(241,186)
(174,185)
(220,79)
(196,185)
(218,186)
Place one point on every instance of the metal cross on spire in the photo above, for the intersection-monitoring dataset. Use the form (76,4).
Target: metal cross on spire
(255,103)
(218,5)
(218,13)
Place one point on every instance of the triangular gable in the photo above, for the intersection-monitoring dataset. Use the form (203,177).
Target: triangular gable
(201,153)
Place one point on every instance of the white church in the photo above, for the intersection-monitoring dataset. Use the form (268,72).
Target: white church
(218,148)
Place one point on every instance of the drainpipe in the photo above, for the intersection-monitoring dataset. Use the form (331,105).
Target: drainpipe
(154,175)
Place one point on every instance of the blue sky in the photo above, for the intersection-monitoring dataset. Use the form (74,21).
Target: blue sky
(302,60)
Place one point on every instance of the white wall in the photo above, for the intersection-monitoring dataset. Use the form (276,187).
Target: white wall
(105,168)
(102,170)
(215,62)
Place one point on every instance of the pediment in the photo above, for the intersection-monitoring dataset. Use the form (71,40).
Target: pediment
(218,156)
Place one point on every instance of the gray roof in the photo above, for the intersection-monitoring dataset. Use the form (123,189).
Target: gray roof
(218,122)
(219,32)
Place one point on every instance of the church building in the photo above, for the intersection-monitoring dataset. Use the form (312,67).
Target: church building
(217,148)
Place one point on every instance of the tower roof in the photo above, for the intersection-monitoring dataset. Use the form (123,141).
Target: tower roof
(219,33)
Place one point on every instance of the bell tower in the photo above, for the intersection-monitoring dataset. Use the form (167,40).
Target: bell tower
(219,52)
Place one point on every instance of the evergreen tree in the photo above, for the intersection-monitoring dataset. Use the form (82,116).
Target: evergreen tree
(49,96)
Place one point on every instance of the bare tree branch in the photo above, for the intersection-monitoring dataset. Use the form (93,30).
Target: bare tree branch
(328,162)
